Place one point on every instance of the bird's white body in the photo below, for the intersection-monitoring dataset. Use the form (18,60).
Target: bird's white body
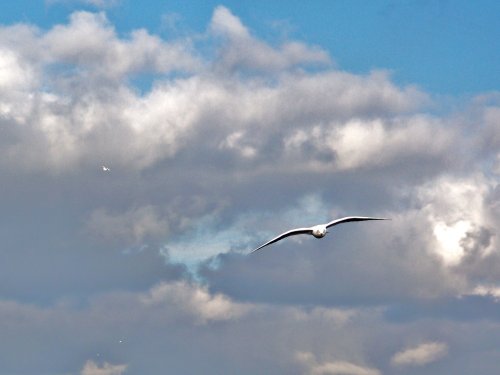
(318,231)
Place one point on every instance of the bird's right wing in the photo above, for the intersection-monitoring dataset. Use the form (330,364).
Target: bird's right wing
(292,232)
(352,218)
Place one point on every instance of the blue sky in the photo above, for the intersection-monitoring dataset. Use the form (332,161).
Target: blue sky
(446,47)
(145,150)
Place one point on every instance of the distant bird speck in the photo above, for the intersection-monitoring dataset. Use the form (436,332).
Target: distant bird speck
(105,169)
(318,231)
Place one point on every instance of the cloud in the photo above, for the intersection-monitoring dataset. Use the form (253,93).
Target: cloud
(13,75)
(78,108)
(109,326)
(463,213)
(332,368)
(243,51)
(372,143)
(133,226)
(156,329)
(86,110)
(224,22)
(488,290)
(196,301)
(92,368)
(108,56)
(487,113)
(420,355)
(455,206)
(174,325)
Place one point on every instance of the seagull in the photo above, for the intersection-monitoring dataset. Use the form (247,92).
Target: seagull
(318,231)
(105,169)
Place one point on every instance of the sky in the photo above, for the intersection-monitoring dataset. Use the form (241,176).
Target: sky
(221,125)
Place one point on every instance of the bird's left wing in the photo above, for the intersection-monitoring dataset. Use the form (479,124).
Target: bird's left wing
(352,218)
(292,232)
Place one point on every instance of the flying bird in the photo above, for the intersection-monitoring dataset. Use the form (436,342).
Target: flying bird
(105,169)
(318,231)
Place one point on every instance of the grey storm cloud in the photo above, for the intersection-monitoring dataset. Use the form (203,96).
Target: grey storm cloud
(142,268)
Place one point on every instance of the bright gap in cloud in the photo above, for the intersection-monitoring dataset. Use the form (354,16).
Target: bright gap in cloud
(204,241)
(207,239)
(449,239)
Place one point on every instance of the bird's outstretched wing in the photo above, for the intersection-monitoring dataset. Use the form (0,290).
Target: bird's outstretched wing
(352,218)
(292,232)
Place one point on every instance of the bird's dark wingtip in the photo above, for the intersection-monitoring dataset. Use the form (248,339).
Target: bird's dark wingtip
(255,250)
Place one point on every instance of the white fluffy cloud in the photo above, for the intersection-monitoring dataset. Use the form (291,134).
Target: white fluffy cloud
(90,42)
(456,207)
(374,143)
(74,103)
(60,107)
(420,355)
(224,22)
(245,51)
(13,75)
